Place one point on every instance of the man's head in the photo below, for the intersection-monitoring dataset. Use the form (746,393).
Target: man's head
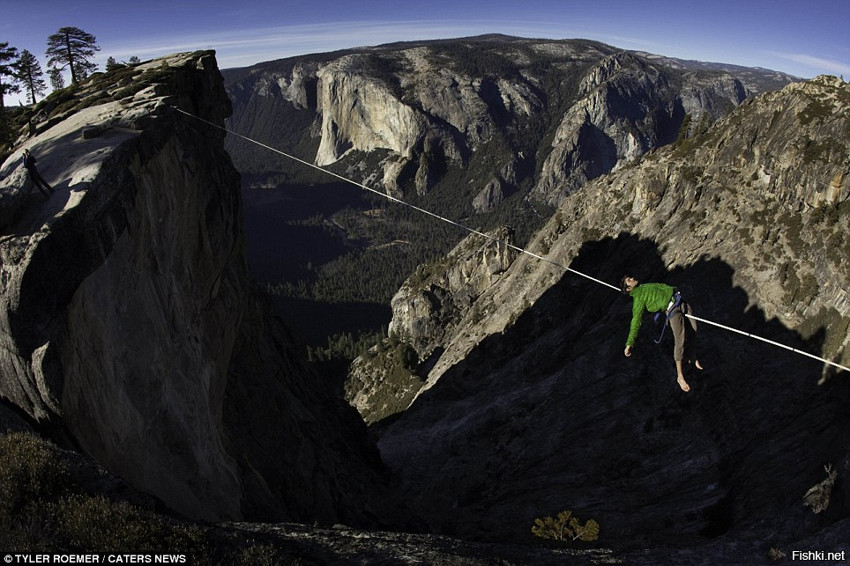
(627,283)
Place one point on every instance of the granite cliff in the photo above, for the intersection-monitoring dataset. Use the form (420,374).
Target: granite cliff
(129,324)
(495,115)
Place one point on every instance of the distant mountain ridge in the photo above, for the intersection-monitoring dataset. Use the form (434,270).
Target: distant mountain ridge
(500,116)
(756,79)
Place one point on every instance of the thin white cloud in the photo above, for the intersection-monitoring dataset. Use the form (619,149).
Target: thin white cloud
(281,41)
(818,65)
(246,47)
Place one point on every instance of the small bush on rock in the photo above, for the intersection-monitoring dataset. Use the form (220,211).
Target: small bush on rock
(565,527)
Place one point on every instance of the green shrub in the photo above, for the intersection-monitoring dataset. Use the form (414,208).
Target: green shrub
(30,469)
(816,152)
(265,555)
(816,110)
(565,527)
(44,505)
(94,523)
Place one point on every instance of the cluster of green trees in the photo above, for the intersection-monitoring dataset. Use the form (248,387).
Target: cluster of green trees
(338,303)
(476,58)
(69,49)
(345,345)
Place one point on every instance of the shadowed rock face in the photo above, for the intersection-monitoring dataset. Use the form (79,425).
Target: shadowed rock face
(551,416)
(129,322)
(533,408)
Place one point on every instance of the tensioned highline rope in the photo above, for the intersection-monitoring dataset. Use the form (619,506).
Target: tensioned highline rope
(399,201)
(492,238)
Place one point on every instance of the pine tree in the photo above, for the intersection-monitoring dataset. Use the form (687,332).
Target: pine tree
(57,81)
(72,48)
(8,68)
(31,76)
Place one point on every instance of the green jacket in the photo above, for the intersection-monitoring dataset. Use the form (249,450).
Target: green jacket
(652,297)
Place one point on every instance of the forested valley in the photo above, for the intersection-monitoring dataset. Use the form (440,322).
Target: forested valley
(332,255)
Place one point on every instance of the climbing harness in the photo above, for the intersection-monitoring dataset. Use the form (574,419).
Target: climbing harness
(494,239)
(675,301)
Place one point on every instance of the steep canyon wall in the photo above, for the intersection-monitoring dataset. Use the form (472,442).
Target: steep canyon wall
(129,321)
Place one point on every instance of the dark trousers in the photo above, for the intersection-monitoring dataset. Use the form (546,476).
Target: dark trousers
(39,182)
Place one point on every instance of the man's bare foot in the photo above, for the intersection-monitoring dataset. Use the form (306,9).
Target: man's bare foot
(683,384)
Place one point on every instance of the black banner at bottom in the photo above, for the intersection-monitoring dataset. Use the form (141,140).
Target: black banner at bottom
(93,558)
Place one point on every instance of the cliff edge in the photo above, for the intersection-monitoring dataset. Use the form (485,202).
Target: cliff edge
(128,321)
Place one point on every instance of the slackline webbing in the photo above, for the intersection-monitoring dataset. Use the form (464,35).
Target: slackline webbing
(492,238)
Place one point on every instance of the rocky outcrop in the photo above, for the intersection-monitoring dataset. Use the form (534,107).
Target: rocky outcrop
(490,196)
(129,322)
(432,301)
(426,310)
(533,408)
(626,107)
(711,96)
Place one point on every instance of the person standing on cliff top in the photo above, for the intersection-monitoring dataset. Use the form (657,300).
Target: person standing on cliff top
(660,298)
(35,176)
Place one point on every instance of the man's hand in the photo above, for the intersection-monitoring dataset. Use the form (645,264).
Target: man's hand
(628,351)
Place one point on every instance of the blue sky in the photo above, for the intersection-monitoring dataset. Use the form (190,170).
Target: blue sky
(804,38)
